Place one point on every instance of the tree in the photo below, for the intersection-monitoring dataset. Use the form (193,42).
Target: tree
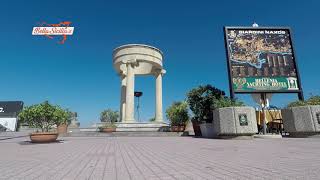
(44,116)
(226,102)
(204,99)
(70,116)
(109,116)
(201,101)
(177,113)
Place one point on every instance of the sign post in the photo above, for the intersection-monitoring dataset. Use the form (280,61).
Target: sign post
(263,99)
(9,111)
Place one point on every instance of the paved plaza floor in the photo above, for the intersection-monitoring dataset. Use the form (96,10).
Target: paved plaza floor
(160,158)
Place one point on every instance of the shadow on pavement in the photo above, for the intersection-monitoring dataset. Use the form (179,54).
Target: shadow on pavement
(31,143)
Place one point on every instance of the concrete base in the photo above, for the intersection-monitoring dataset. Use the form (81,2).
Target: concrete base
(304,135)
(267,136)
(236,137)
(227,122)
(140,127)
(80,129)
(301,121)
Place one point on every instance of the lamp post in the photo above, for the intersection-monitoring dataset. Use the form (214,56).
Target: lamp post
(138,94)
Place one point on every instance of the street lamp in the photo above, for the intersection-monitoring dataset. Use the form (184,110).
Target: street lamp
(138,94)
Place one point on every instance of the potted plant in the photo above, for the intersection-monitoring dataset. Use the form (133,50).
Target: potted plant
(302,118)
(62,126)
(178,116)
(201,101)
(108,117)
(108,128)
(43,116)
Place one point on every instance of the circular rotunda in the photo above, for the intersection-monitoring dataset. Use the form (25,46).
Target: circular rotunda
(134,60)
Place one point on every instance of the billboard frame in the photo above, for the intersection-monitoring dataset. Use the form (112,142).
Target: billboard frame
(232,91)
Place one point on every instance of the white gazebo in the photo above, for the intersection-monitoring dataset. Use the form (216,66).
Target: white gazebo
(133,60)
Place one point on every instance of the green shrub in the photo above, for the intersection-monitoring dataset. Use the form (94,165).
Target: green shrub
(152,119)
(313,100)
(201,102)
(204,99)
(109,116)
(44,116)
(226,102)
(297,103)
(177,114)
(70,117)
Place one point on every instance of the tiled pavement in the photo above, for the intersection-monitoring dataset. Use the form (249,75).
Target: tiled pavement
(160,158)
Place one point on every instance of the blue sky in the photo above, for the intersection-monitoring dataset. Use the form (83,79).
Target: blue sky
(79,74)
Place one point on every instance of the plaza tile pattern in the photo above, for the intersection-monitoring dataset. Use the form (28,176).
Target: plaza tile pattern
(160,158)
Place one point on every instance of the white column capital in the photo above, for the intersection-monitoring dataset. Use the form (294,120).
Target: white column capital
(125,64)
(123,75)
(159,72)
(123,70)
(132,62)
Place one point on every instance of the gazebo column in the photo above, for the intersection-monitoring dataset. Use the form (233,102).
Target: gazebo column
(129,105)
(159,115)
(123,98)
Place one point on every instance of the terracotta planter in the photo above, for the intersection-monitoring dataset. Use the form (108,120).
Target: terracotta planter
(62,129)
(108,130)
(43,137)
(196,128)
(177,128)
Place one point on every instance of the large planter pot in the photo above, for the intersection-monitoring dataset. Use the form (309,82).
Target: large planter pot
(302,120)
(207,130)
(196,128)
(235,121)
(62,129)
(108,129)
(43,137)
(177,128)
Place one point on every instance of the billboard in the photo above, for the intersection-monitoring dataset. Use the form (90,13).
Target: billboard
(9,123)
(261,60)
(10,108)
(8,114)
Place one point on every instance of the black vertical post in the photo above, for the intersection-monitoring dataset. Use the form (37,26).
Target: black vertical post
(138,108)
(229,64)
(300,96)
